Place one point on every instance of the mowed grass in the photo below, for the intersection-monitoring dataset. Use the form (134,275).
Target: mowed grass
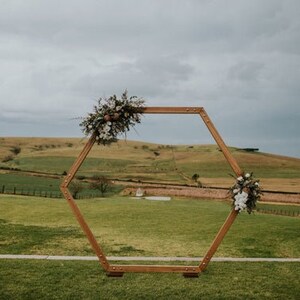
(130,227)
(23,279)
(25,182)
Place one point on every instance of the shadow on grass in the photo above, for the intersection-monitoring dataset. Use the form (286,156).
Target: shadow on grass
(21,279)
(20,239)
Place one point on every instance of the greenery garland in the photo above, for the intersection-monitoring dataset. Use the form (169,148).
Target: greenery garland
(113,116)
(245,193)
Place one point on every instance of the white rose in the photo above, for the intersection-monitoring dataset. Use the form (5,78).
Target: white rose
(247,175)
(106,128)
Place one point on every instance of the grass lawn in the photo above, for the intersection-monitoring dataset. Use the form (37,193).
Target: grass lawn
(125,226)
(28,279)
(24,183)
(129,227)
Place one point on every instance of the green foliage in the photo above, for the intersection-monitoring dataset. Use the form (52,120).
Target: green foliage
(15,150)
(112,116)
(76,187)
(195,177)
(100,183)
(7,158)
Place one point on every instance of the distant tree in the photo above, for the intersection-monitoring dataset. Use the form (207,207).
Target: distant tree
(195,177)
(100,183)
(7,158)
(15,150)
(76,187)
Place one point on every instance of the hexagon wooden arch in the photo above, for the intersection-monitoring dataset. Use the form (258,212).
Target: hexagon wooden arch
(118,270)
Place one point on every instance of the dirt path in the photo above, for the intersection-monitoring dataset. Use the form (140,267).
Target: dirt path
(195,192)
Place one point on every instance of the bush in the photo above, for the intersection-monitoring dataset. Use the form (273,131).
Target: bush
(100,183)
(7,158)
(15,150)
(156,153)
(76,187)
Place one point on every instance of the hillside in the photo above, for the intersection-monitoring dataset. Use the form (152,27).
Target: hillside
(147,162)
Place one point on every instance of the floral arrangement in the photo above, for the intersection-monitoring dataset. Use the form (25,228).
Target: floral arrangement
(113,116)
(245,193)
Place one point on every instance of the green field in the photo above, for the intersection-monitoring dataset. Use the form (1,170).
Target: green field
(125,226)
(130,227)
(28,280)
(145,162)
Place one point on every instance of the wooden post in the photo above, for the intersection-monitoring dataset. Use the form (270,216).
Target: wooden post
(218,239)
(68,196)
(232,162)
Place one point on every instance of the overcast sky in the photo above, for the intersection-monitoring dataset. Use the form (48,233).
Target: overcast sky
(239,59)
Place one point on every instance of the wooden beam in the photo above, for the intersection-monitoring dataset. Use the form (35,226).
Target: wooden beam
(68,196)
(154,268)
(171,110)
(218,239)
(215,134)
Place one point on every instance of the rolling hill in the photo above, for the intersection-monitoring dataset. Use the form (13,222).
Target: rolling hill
(135,160)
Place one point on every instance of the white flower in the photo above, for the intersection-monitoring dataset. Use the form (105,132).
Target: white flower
(118,108)
(240,178)
(240,201)
(256,184)
(235,191)
(247,175)
(106,128)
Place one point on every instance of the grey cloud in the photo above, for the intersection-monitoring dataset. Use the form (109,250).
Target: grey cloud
(245,71)
(238,59)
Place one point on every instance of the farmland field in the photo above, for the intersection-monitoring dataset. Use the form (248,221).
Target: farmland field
(139,161)
(125,226)
(131,227)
